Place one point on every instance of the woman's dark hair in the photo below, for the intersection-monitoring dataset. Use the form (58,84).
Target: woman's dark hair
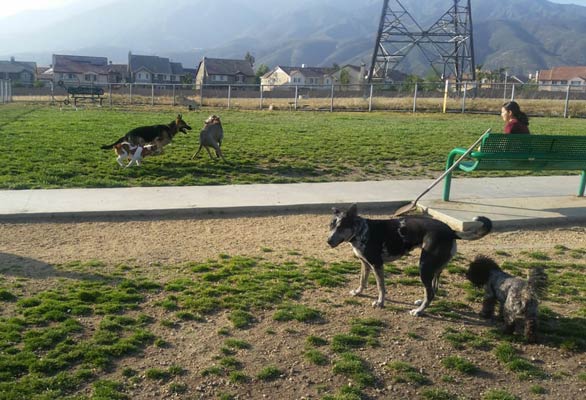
(519,115)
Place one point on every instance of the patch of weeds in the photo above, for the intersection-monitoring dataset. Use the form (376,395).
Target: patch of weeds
(241,319)
(189,316)
(456,269)
(297,312)
(346,393)
(129,372)
(316,357)
(437,394)
(538,255)
(502,253)
(343,342)
(405,373)
(537,389)
(266,250)
(316,341)
(582,376)
(237,344)
(225,331)
(414,336)
(352,302)
(178,388)
(411,270)
(237,377)
(459,364)
(230,363)
(7,296)
(447,308)
(407,281)
(459,340)
(111,390)
(355,368)
(269,373)
(212,370)
(157,374)
(167,323)
(497,394)
(293,253)
(524,369)
(161,343)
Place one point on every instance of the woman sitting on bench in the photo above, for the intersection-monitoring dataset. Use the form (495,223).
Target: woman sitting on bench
(516,121)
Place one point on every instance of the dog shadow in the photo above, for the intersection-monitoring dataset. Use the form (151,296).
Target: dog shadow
(24,267)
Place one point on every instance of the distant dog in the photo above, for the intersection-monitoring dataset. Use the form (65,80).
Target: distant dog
(378,241)
(211,135)
(159,135)
(518,298)
(135,154)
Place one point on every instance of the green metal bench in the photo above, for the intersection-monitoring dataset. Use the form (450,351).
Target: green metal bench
(523,152)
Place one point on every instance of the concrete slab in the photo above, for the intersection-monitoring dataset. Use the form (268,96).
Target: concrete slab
(509,213)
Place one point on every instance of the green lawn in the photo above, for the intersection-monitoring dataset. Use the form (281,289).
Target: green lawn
(43,147)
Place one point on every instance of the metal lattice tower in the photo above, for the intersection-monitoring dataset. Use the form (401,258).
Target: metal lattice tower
(447,45)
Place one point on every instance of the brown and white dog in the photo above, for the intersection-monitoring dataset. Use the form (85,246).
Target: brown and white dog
(127,151)
(211,135)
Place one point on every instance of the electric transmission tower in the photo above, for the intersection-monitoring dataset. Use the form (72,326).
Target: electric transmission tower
(447,45)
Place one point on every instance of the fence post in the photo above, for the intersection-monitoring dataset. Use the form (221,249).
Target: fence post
(296,92)
(513,92)
(370,99)
(260,96)
(130,91)
(567,102)
(415,97)
(332,99)
(110,93)
(201,94)
(2,92)
(229,95)
(152,94)
(173,95)
(446,96)
(464,97)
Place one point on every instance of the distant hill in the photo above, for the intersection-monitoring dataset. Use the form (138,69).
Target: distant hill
(521,35)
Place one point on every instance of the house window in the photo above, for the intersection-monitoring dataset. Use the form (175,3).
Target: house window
(89,78)
(296,80)
(576,83)
(70,76)
(160,77)
(219,78)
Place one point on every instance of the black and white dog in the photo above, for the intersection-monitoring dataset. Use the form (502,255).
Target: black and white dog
(378,241)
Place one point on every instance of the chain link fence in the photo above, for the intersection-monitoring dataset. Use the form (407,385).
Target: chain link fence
(5,91)
(469,97)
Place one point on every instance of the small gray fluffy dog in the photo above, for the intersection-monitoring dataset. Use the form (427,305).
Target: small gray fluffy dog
(518,298)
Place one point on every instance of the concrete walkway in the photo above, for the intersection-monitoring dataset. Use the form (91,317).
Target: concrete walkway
(510,202)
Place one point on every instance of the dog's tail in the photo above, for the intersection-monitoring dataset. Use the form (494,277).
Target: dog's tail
(537,282)
(480,269)
(479,232)
(109,146)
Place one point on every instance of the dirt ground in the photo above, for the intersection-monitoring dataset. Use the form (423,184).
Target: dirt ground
(144,242)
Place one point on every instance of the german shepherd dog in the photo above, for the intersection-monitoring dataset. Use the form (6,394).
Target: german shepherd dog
(158,135)
(378,241)
(211,135)
(518,298)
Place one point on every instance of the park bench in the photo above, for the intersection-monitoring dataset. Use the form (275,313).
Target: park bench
(91,93)
(522,152)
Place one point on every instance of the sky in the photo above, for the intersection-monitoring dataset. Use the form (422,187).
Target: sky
(11,7)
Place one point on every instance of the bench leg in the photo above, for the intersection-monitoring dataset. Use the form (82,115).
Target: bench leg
(582,184)
(448,178)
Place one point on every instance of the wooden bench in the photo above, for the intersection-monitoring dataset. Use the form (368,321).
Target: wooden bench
(523,152)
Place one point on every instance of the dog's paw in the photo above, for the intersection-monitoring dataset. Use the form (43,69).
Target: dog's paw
(378,304)
(355,292)
(418,302)
(416,312)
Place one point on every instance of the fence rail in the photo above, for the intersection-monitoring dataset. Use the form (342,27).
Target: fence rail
(469,97)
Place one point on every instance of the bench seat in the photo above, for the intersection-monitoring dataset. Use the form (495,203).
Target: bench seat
(522,152)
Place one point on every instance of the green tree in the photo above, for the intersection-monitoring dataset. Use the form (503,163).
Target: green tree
(260,71)
(344,77)
(250,58)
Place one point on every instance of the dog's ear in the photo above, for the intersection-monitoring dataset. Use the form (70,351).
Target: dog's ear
(352,211)
(179,117)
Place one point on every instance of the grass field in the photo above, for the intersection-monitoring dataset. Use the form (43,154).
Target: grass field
(44,147)
(102,331)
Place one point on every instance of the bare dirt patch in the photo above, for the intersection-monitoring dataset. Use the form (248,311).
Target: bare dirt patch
(32,249)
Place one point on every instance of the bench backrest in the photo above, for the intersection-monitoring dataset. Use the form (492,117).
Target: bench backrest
(535,152)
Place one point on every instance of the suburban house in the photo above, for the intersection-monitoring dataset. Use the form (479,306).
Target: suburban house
(297,76)
(153,69)
(117,73)
(80,70)
(224,71)
(349,75)
(19,72)
(558,78)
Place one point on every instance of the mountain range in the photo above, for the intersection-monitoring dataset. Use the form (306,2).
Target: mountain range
(519,35)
